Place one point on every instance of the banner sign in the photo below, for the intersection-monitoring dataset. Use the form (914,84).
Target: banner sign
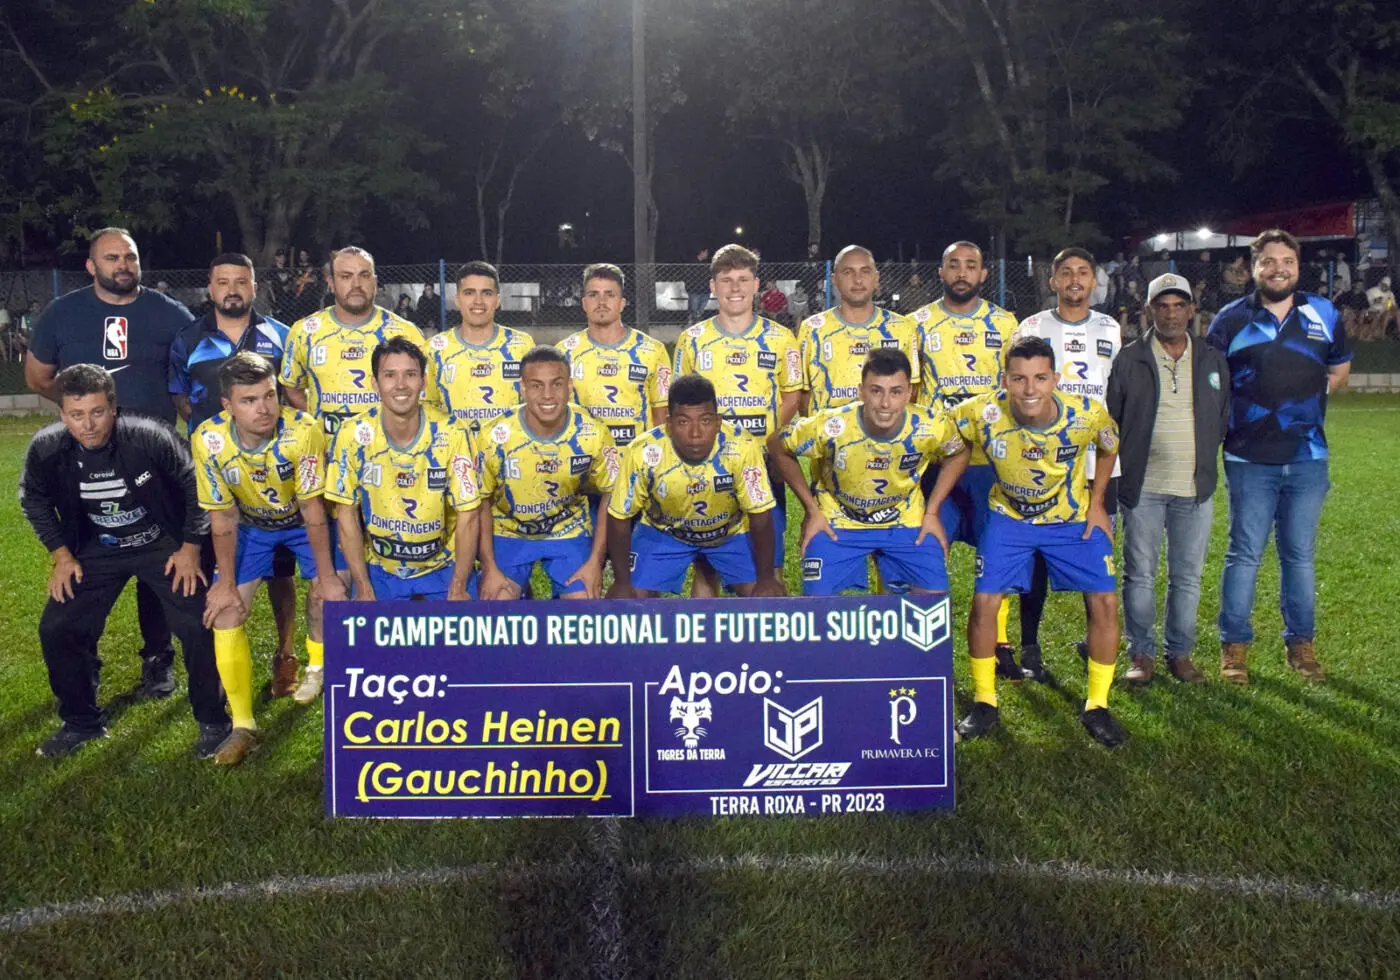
(620,708)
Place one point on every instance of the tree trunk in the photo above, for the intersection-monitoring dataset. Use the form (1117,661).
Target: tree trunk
(809,166)
(1385,190)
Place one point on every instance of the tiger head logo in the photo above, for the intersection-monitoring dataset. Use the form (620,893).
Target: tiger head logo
(690,714)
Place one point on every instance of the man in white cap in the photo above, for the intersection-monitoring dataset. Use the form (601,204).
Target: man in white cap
(1170,395)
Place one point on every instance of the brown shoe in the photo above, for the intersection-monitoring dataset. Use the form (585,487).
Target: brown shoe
(1140,673)
(1184,670)
(1302,659)
(238,746)
(284,674)
(1232,663)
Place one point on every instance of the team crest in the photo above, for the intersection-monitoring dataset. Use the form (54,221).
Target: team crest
(570,342)
(834,426)
(500,433)
(311,324)
(213,442)
(922,314)
(364,433)
(991,414)
(695,330)
(816,320)
(438,341)
(651,455)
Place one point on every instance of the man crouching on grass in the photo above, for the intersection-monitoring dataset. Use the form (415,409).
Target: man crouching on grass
(113,498)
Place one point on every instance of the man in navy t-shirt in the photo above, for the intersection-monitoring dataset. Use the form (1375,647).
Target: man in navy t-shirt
(1286,350)
(119,325)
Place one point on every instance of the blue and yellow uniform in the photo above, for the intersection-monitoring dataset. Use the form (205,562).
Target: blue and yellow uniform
(1041,499)
(688,510)
(751,371)
(201,348)
(266,484)
(961,354)
(476,382)
(833,353)
(620,384)
(407,500)
(536,491)
(868,490)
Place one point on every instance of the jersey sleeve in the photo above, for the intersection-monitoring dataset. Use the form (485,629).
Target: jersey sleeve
(801,437)
(432,391)
(947,434)
(910,335)
(685,354)
(753,489)
(807,350)
(488,472)
(658,380)
(790,375)
(210,485)
(965,417)
(1104,428)
(342,473)
(629,494)
(179,373)
(294,359)
(463,485)
(602,475)
(311,462)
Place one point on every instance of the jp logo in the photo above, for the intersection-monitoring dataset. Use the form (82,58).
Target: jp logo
(690,714)
(792,734)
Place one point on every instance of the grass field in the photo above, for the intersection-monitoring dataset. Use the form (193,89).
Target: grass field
(1242,832)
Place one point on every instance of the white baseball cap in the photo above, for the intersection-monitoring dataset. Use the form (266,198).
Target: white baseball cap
(1169,283)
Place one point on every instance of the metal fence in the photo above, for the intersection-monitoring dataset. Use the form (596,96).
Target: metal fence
(545,299)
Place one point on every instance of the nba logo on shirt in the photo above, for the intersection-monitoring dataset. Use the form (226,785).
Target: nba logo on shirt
(114,338)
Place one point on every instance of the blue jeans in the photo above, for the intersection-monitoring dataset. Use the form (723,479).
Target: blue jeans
(1287,499)
(1186,525)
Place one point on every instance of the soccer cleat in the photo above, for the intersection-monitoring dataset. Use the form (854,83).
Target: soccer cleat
(980,720)
(210,738)
(67,740)
(285,667)
(1006,663)
(1184,670)
(310,688)
(157,679)
(1140,673)
(1302,659)
(1031,665)
(241,743)
(1101,724)
(1232,663)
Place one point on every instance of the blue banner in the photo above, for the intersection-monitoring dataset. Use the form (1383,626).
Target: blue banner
(638,708)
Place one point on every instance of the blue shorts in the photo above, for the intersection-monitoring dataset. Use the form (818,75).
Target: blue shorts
(660,561)
(433,585)
(964,514)
(829,567)
(1009,547)
(561,558)
(257,549)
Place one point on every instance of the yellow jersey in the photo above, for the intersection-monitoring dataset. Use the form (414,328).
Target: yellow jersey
(751,371)
(864,482)
(406,494)
(833,353)
(331,362)
(619,384)
(538,488)
(264,483)
(476,382)
(961,353)
(1042,474)
(702,503)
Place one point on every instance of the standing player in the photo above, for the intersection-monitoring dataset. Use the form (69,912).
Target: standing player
(538,464)
(701,488)
(620,376)
(391,467)
(128,329)
(261,472)
(753,362)
(197,355)
(326,368)
(961,339)
(1085,342)
(474,370)
(867,500)
(1039,441)
(833,344)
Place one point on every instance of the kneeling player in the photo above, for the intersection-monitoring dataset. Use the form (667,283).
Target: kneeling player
(867,501)
(390,469)
(538,464)
(702,489)
(1039,441)
(261,472)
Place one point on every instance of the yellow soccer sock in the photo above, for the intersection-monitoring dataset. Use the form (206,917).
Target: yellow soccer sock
(1003,614)
(1100,680)
(984,680)
(235,660)
(315,653)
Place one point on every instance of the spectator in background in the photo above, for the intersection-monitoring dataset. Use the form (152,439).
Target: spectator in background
(283,282)
(915,296)
(1341,275)
(1379,296)
(697,288)
(814,275)
(429,311)
(309,288)
(1130,310)
(798,304)
(1098,297)
(7,332)
(1158,266)
(773,303)
(1356,314)
(1234,280)
(404,307)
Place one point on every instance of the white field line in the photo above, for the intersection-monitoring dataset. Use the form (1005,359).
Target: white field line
(1069,873)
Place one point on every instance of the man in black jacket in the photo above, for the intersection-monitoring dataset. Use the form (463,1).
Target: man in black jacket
(111,498)
(1170,395)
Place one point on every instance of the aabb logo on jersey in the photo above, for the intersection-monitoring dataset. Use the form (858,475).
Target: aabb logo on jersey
(114,338)
(547,466)
(481,370)
(738,358)
(406,479)
(1033,453)
(353,354)
(965,337)
(510,370)
(607,369)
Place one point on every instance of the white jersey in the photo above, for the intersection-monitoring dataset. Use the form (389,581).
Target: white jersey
(1084,352)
